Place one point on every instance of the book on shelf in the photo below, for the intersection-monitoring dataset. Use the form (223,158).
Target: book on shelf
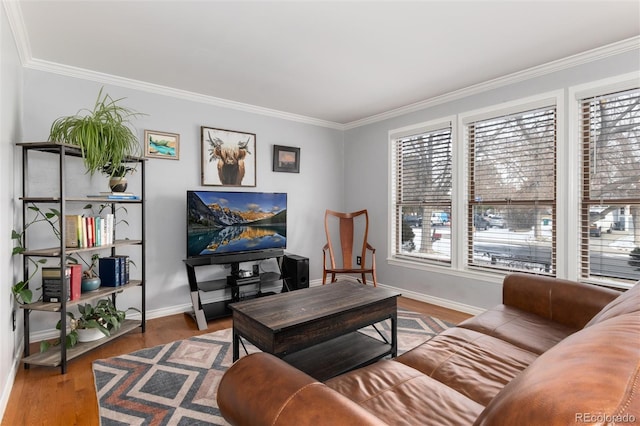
(124,268)
(71,237)
(109,271)
(76,281)
(116,193)
(115,196)
(89,231)
(52,284)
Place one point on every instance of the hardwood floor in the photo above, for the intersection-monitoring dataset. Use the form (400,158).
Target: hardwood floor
(43,396)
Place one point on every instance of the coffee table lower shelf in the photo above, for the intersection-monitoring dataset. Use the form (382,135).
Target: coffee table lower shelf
(339,355)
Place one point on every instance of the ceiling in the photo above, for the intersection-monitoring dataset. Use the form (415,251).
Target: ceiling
(337,62)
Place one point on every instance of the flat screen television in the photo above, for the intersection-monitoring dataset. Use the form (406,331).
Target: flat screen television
(227,223)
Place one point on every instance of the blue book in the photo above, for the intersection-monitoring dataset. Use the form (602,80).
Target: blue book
(109,271)
(115,196)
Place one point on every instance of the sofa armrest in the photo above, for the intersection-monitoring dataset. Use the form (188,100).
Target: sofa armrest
(566,302)
(261,389)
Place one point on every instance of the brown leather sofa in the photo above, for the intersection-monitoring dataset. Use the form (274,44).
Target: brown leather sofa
(554,352)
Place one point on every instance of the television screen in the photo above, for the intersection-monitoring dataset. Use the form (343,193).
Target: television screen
(220,222)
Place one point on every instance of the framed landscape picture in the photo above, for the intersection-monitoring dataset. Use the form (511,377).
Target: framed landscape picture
(161,145)
(228,157)
(286,159)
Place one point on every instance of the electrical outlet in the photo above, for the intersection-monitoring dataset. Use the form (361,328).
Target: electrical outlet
(359,260)
(13,319)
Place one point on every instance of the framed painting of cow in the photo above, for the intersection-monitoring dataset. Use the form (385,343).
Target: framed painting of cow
(228,157)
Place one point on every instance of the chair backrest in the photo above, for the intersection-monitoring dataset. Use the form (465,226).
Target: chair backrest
(347,235)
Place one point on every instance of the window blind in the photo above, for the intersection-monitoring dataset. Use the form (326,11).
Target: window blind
(512,187)
(610,208)
(422,194)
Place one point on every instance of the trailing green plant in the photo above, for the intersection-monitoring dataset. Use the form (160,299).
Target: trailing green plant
(103,134)
(103,316)
(21,291)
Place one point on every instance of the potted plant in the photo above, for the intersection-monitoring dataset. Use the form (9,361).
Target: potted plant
(117,176)
(103,134)
(95,322)
(103,318)
(90,279)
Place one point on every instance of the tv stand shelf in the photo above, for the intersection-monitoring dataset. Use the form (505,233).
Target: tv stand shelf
(203,312)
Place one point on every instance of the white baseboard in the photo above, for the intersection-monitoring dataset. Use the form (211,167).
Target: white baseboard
(445,303)
(10,379)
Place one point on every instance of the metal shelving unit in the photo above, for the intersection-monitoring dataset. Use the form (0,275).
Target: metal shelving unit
(59,356)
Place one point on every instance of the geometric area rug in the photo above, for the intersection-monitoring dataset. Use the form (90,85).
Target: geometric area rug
(176,383)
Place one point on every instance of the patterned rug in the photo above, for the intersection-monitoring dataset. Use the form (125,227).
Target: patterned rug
(176,383)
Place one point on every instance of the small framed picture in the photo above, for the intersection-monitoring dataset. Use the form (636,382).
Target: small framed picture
(286,159)
(228,157)
(161,145)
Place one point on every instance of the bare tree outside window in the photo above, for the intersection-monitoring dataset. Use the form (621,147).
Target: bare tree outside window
(423,194)
(610,210)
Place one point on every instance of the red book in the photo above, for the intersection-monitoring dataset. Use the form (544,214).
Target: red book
(90,232)
(76,281)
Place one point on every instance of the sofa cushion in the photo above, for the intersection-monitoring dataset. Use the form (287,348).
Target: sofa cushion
(398,394)
(474,364)
(520,328)
(566,302)
(591,377)
(627,302)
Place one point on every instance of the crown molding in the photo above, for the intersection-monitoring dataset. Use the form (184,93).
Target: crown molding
(18,28)
(104,78)
(16,22)
(617,48)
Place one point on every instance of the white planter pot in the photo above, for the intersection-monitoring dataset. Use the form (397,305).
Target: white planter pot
(89,334)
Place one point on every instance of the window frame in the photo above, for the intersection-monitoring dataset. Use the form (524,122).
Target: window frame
(393,256)
(576,95)
(543,100)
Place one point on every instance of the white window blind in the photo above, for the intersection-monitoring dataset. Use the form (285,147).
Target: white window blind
(422,195)
(512,201)
(610,208)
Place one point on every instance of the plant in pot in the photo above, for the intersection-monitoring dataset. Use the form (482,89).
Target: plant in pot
(90,279)
(103,135)
(117,176)
(95,322)
(104,318)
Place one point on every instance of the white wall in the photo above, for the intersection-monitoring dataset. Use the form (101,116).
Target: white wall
(366,179)
(317,186)
(10,128)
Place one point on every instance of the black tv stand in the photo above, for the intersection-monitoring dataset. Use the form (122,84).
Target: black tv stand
(235,281)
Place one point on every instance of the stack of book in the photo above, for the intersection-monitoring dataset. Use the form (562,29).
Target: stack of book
(114,270)
(115,196)
(88,231)
(52,285)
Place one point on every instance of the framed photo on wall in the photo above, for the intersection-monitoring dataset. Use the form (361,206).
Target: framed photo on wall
(161,145)
(228,157)
(286,159)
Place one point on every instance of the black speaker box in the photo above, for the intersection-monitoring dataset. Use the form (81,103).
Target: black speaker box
(295,270)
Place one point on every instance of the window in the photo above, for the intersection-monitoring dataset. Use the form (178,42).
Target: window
(610,207)
(511,210)
(421,198)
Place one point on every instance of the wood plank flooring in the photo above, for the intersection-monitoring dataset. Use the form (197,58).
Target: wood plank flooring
(43,396)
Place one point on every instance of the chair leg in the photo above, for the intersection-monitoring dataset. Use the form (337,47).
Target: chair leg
(324,277)
(375,282)
(364,278)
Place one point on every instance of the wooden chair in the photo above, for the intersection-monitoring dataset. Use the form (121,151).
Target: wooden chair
(346,231)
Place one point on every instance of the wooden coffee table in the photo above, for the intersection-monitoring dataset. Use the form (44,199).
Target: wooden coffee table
(316,329)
